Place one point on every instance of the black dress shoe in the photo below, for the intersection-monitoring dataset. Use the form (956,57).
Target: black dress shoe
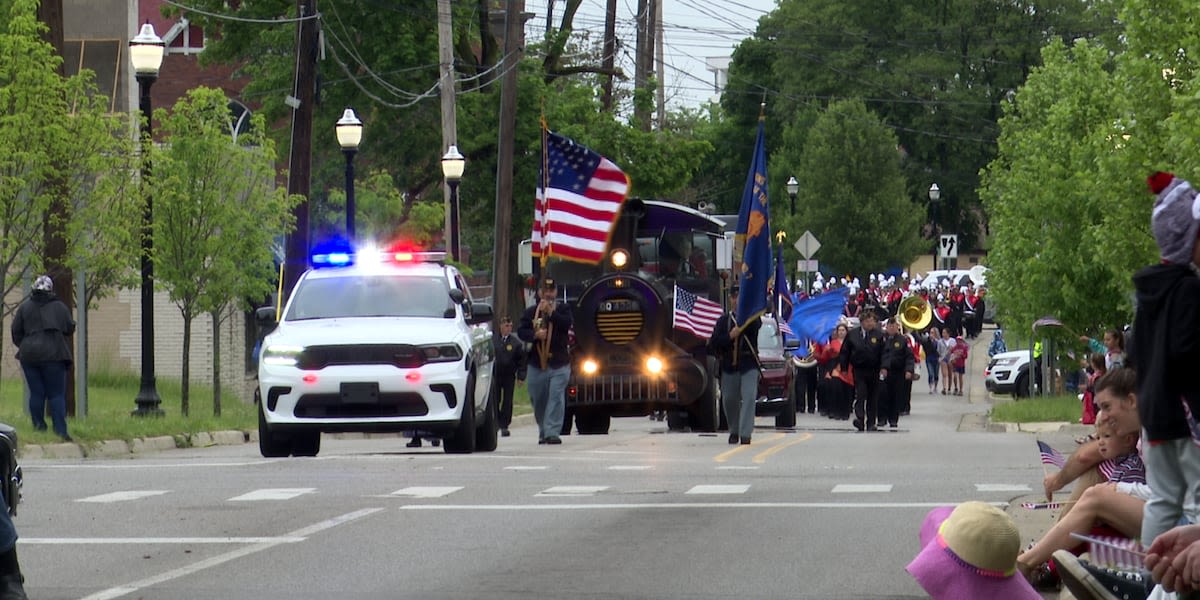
(733,438)
(893,425)
(504,433)
(858,424)
(553,441)
(541,441)
(872,428)
(745,441)
(415,443)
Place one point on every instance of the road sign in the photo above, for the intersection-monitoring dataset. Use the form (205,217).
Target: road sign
(948,247)
(807,245)
(806,266)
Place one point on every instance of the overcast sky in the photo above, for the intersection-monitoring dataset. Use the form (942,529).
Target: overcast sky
(693,30)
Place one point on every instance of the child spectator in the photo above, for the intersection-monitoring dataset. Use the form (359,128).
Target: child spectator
(1166,347)
(1122,464)
(958,363)
(998,344)
(1096,370)
(1113,348)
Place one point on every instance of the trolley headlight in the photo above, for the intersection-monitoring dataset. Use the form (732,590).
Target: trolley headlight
(590,367)
(619,258)
(654,365)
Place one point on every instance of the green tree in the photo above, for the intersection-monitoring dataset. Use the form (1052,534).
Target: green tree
(216,212)
(852,193)
(1046,204)
(934,73)
(57,137)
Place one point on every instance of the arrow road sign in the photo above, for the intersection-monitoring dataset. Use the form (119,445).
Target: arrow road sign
(948,246)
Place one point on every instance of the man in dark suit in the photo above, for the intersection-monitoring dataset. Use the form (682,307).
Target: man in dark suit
(510,368)
(863,349)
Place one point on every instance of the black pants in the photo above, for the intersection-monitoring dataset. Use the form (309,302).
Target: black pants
(806,389)
(891,398)
(506,383)
(866,395)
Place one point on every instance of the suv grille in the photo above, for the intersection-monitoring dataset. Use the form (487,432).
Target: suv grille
(405,356)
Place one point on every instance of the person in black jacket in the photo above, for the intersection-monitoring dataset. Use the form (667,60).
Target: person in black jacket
(510,368)
(897,362)
(39,332)
(863,349)
(546,325)
(1166,331)
(737,347)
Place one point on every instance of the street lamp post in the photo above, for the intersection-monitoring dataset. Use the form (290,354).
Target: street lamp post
(349,134)
(793,187)
(146,55)
(935,193)
(453,164)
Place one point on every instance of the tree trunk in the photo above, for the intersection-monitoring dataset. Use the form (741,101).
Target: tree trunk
(216,362)
(187,350)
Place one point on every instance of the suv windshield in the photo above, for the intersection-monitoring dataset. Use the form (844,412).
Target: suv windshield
(371,296)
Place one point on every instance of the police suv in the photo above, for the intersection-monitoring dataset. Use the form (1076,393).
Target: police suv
(377,341)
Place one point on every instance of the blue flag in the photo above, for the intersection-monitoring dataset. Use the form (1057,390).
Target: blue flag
(783,298)
(752,239)
(815,318)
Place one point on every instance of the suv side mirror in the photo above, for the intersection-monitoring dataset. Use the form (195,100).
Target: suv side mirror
(265,315)
(457,296)
(480,313)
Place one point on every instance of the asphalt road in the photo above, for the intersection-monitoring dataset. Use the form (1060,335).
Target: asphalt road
(817,512)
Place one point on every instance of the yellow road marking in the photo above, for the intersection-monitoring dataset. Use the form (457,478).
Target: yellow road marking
(762,457)
(724,456)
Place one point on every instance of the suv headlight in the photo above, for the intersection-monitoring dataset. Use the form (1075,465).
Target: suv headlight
(1005,362)
(441,353)
(282,355)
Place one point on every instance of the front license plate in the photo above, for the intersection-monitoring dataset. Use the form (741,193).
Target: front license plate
(360,393)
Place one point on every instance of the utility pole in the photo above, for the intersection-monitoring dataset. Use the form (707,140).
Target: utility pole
(304,95)
(661,79)
(54,233)
(644,61)
(610,52)
(549,17)
(449,112)
(502,264)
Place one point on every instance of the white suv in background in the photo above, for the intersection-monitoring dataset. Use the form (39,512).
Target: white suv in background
(1008,373)
(377,342)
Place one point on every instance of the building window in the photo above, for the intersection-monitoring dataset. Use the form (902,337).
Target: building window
(105,58)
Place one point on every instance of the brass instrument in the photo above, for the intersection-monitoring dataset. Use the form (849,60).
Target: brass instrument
(915,313)
(809,360)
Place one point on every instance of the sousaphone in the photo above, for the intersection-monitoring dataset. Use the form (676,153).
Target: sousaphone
(915,313)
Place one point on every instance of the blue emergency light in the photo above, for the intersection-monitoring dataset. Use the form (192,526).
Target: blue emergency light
(332,253)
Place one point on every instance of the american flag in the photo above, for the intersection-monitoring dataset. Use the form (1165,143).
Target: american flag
(1114,552)
(1050,456)
(578,197)
(1043,505)
(1125,469)
(695,314)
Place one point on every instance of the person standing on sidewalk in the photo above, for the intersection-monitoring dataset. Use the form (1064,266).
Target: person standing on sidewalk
(39,331)
(510,368)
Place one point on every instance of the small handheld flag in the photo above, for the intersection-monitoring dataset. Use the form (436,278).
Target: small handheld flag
(1050,456)
(695,314)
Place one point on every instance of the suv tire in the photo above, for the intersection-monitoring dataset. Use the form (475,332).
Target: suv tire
(271,445)
(487,436)
(462,441)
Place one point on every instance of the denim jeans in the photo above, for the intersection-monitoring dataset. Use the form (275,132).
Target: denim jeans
(548,395)
(47,382)
(739,391)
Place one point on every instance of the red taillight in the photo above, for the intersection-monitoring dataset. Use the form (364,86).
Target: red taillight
(413,376)
(309,378)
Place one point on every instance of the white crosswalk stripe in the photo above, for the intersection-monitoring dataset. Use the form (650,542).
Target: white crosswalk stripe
(719,489)
(272,494)
(427,492)
(122,496)
(1002,487)
(571,490)
(870,488)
